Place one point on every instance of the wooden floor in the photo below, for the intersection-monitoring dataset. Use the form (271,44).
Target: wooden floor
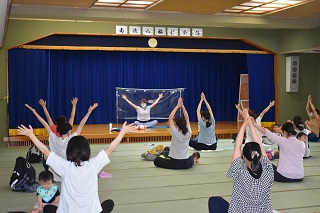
(100,134)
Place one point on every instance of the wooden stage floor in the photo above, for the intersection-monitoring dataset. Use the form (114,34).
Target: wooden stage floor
(100,133)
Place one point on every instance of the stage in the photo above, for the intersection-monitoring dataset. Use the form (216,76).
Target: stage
(100,134)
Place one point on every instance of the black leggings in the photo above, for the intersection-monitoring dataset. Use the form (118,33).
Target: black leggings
(107,207)
(218,205)
(280,178)
(171,163)
(201,146)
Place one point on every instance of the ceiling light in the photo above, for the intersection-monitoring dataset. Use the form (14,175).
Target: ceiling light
(110,1)
(139,2)
(264,6)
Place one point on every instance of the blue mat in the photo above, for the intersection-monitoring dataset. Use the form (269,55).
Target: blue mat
(160,127)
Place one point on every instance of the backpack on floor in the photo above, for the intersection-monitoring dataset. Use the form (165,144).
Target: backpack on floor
(23,176)
(165,151)
(34,155)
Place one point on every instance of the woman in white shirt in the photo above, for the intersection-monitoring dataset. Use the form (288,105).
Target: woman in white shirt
(79,179)
(290,166)
(143,112)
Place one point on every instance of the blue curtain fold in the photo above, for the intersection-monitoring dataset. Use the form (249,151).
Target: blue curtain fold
(92,76)
(261,84)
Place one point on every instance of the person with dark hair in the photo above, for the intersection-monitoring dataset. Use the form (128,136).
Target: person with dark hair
(304,138)
(290,165)
(60,119)
(179,149)
(207,138)
(252,175)
(58,144)
(257,118)
(314,121)
(143,112)
(47,193)
(79,179)
(300,127)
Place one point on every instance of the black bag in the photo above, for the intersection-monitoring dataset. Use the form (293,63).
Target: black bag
(166,151)
(34,155)
(23,176)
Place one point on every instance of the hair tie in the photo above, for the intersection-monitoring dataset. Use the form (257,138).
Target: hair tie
(253,153)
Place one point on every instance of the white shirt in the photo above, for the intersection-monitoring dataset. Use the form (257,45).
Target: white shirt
(143,114)
(59,146)
(248,131)
(79,184)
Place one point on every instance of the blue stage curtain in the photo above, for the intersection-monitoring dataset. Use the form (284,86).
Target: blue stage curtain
(261,84)
(92,76)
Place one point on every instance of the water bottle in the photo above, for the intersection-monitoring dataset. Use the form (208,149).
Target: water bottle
(110,127)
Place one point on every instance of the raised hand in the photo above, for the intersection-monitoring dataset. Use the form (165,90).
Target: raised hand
(42,102)
(128,128)
(180,102)
(124,96)
(91,108)
(23,130)
(202,96)
(160,95)
(271,103)
(74,101)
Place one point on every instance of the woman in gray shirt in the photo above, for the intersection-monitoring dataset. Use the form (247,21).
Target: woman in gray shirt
(179,151)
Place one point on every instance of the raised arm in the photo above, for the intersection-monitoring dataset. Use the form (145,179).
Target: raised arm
(238,107)
(129,102)
(42,121)
(271,104)
(255,136)
(185,113)
(74,102)
(199,107)
(125,129)
(43,104)
(157,101)
(22,130)
(207,105)
(238,143)
(312,107)
(173,112)
(85,118)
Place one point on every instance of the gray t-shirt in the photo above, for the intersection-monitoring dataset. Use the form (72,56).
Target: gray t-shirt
(179,143)
(207,135)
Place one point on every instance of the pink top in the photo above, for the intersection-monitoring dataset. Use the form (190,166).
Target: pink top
(291,155)
(53,128)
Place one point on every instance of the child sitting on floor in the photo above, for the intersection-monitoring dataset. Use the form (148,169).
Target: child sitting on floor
(47,193)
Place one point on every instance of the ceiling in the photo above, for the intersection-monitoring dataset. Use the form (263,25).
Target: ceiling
(171,12)
(202,13)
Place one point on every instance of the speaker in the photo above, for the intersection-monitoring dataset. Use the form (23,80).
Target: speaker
(292,74)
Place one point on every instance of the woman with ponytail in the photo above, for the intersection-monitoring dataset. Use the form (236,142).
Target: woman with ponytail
(252,175)
(290,165)
(207,138)
(179,150)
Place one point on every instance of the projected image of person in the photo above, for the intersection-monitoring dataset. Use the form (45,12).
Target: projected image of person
(143,112)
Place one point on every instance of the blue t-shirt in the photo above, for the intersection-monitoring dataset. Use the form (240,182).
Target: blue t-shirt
(207,135)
